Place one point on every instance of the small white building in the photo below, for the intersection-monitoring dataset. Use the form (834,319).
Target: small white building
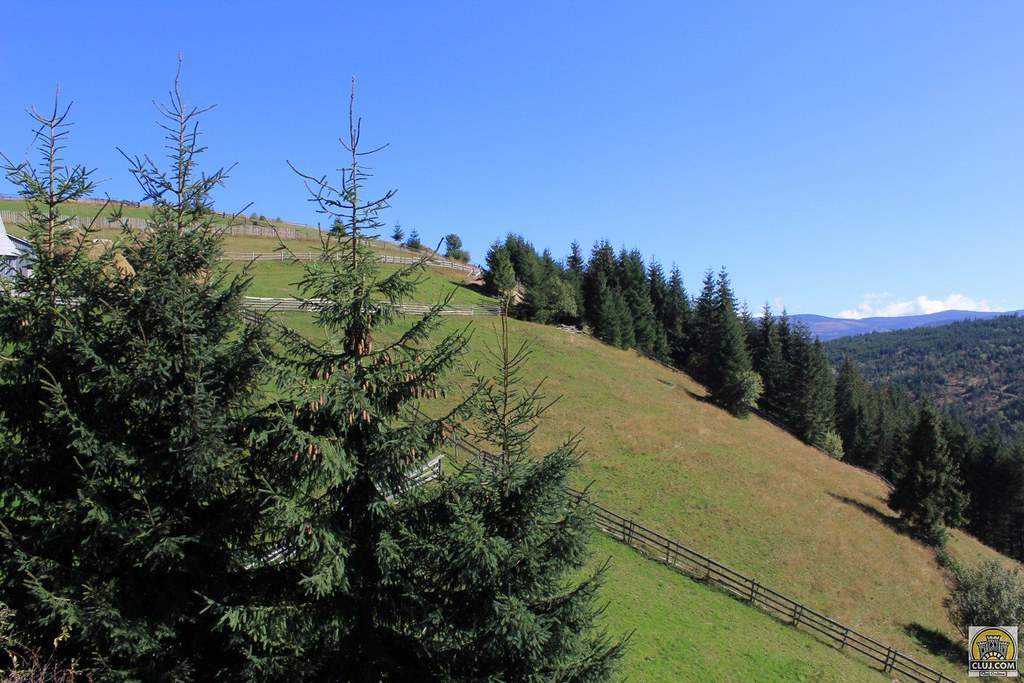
(14,253)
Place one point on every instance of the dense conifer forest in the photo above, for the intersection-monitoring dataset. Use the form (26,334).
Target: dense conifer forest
(973,368)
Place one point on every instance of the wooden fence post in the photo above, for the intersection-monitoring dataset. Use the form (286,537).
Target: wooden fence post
(753,590)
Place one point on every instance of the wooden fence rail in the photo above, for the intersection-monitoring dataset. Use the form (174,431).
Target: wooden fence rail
(246,227)
(282,256)
(704,568)
(141,225)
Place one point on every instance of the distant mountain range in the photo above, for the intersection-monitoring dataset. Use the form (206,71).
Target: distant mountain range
(827,329)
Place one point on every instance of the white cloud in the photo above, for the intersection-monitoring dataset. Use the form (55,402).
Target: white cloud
(886,305)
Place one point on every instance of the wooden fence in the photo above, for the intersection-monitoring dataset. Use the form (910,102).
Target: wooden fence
(246,227)
(270,304)
(749,590)
(141,225)
(283,256)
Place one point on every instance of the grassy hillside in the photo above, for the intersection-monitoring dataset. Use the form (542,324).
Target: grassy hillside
(275,279)
(743,491)
(974,367)
(686,631)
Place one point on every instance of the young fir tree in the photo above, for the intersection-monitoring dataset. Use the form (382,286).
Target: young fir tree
(496,552)
(398,234)
(130,504)
(355,437)
(928,495)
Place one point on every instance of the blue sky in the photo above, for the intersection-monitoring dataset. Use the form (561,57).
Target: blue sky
(865,158)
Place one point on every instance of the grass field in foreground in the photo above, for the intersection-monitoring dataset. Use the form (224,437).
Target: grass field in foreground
(686,631)
(742,491)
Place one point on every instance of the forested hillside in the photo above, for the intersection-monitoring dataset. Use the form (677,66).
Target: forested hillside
(972,368)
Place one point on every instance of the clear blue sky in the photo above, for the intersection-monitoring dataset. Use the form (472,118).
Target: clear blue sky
(861,157)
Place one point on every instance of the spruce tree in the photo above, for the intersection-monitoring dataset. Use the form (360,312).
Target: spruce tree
(605,316)
(647,333)
(677,319)
(810,393)
(928,495)
(574,274)
(496,554)
(850,396)
(771,364)
(351,425)
(550,299)
(703,336)
(131,505)
(622,318)
(598,283)
(658,291)
(398,234)
(733,383)
(751,332)
(500,276)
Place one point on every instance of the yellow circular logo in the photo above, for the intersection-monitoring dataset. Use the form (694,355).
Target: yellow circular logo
(993,644)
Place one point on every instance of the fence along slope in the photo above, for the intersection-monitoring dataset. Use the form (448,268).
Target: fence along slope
(706,569)
(250,229)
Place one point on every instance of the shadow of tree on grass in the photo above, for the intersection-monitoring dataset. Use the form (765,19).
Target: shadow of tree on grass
(937,643)
(891,521)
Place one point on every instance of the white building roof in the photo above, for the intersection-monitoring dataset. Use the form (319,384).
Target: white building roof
(7,247)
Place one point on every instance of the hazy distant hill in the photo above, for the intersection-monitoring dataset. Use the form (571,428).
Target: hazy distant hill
(828,329)
(973,367)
